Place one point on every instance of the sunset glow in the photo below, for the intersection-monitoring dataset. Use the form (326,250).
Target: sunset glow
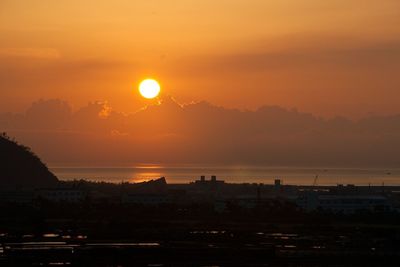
(193,133)
(310,83)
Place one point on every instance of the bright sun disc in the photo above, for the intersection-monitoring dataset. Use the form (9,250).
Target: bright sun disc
(149,88)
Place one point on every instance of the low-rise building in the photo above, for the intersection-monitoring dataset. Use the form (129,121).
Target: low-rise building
(144,199)
(20,197)
(61,194)
(346,204)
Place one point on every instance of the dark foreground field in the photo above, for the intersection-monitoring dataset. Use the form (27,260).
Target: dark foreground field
(117,235)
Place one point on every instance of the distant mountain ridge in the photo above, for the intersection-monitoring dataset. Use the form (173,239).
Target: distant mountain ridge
(21,168)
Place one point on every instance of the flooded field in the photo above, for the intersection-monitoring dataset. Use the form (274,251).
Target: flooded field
(206,247)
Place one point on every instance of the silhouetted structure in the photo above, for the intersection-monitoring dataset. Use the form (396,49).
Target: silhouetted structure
(212,182)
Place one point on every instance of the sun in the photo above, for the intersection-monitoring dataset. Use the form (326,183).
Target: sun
(149,88)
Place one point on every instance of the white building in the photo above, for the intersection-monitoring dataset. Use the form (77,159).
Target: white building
(346,204)
(144,199)
(21,197)
(61,194)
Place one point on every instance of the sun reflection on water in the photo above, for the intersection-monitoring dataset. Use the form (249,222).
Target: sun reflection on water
(145,176)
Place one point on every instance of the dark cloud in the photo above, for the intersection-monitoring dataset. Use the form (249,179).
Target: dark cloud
(50,114)
(203,133)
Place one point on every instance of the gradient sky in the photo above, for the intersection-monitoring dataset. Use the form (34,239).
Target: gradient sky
(327,57)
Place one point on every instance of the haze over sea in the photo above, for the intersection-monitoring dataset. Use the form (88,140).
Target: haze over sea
(233,174)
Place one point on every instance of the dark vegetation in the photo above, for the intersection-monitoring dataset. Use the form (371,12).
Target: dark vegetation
(21,168)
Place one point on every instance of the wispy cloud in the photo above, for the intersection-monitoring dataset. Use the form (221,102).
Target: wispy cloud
(29,52)
(288,53)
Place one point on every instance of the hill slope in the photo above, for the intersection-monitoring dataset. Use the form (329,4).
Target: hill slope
(21,168)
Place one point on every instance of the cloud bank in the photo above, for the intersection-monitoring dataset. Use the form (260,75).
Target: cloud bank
(202,133)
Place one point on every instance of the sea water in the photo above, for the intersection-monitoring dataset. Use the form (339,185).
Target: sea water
(234,174)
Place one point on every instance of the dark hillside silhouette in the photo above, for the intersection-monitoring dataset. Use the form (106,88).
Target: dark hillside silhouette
(21,168)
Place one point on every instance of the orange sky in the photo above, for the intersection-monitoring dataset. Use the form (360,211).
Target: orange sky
(326,57)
